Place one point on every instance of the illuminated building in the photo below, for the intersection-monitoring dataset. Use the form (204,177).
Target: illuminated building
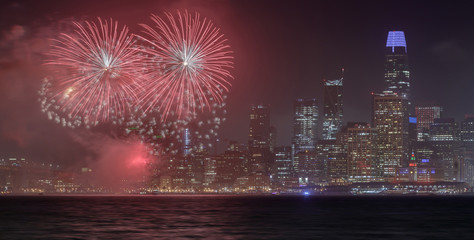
(444,130)
(423,165)
(469,171)
(236,146)
(322,160)
(332,156)
(187,171)
(209,165)
(467,132)
(165,183)
(273,138)
(283,173)
(309,170)
(397,73)
(425,116)
(304,125)
(259,138)
(229,167)
(196,169)
(360,140)
(444,135)
(390,118)
(412,132)
(409,188)
(304,137)
(179,166)
(333,108)
(187,142)
(259,128)
(467,138)
(256,182)
(19,175)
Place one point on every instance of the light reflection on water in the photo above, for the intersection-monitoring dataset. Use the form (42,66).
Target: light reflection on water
(235,217)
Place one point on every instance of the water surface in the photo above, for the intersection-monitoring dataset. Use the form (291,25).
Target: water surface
(236,217)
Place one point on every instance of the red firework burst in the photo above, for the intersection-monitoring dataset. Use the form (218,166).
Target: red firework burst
(96,70)
(187,66)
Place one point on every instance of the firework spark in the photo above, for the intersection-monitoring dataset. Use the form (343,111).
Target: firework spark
(96,70)
(188,61)
(175,136)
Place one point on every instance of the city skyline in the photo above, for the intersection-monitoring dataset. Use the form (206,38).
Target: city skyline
(236,119)
(434,54)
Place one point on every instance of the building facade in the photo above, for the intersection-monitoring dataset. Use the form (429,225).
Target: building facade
(283,172)
(333,108)
(259,138)
(425,116)
(360,141)
(390,118)
(445,137)
(397,73)
(304,125)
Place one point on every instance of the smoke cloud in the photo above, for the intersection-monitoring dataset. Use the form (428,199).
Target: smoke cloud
(115,163)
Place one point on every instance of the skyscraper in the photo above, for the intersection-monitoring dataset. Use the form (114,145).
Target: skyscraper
(445,137)
(425,116)
(273,138)
(259,139)
(259,127)
(283,172)
(333,108)
(309,168)
(304,140)
(397,73)
(186,146)
(361,152)
(390,118)
(467,138)
(304,128)
(337,163)
(467,133)
(331,161)
(209,170)
(229,167)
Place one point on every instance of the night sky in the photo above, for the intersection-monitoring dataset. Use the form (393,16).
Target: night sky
(283,50)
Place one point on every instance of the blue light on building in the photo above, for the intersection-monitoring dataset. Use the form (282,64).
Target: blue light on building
(396,39)
(403,171)
(422,171)
(187,142)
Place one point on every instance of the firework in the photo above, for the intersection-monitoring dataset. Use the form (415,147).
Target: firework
(187,63)
(96,71)
(52,108)
(175,136)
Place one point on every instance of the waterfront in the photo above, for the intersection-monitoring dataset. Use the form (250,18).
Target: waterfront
(236,217)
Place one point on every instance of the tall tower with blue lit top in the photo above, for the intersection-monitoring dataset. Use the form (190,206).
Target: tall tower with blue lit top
(397,73)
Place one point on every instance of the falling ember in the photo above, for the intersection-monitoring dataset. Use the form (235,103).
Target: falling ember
(188,62)
(95,71)
(170,137)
